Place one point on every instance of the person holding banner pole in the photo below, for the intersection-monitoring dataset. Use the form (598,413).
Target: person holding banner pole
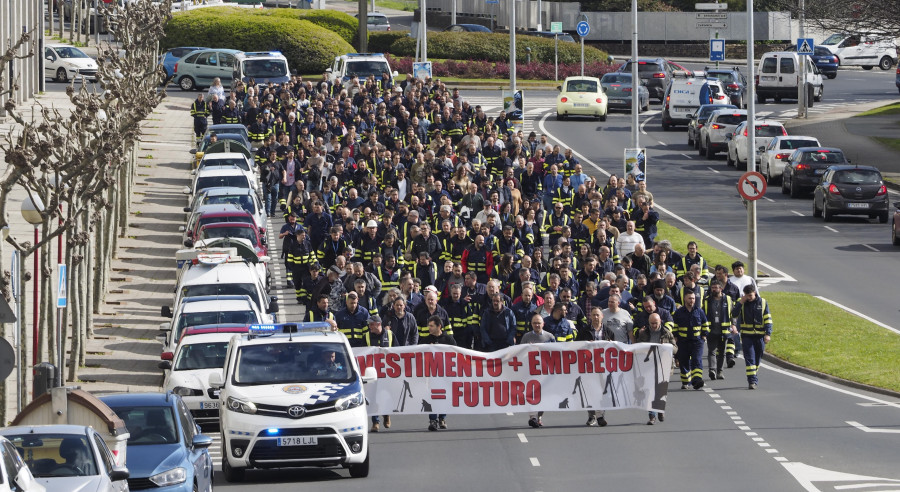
(537,335)
(593,333)
(436,335)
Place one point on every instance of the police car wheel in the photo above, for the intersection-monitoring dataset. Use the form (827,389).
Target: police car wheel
(360,470)
(232,474)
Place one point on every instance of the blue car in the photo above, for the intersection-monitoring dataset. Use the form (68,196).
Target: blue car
(168,59)
(825,60)
(166,451)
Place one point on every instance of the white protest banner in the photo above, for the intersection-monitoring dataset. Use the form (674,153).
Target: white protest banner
(523,378)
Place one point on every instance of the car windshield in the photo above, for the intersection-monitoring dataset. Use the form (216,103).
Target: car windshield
(793,143)
(243,201)
(277,363)
(377,20)
(616,78)
(201,356)
(230,232)
(56,455)
(725,77)
(822,157)
(222,182)
(239,163)
(221,290)
(857,176)
(265,68)
(149,425)
(768,131)
(833,39)
(69,52)
(581,86)
(247,317)
(365,68)
(228,218)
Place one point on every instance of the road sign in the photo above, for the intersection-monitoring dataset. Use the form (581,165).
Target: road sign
(583,28)
(806,46)
(556,27)
(711,25)
(492,2)
(61,291)
(716,50)
(711,15)
(752,185)
(711,6)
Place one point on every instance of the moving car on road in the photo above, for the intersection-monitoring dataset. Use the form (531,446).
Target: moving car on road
(720,124)
(63,63)
(376,21)
(806,166)
(778,76)
(825,60)
(467,28)
(851,190)
(686,93)
(734,83)
(581,96)
(865,51)
(699,118)
(778,151)
(737,141)
(656,72)
(14,473)
(619,91)
(199,68)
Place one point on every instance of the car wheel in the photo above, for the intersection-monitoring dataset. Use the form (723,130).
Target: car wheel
(602,117)
(665,126)
(795,192)
(760,99)
(710,153)
(728,160)
(883,218)
(886,63)
(777,99)
(867,67)
(232,474)
(894,238)
(61,75)
(360,470)
(646,107)
(187,83)
(827,214)
(784,188)
(765,173)
(690,140)
(831,75)
(817,212)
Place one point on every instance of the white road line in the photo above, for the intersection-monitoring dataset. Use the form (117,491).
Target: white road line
(711,237)
(663,143)
(768,199)
(510,414)
(713,170)
(870,429)
(832,229)
(522,437)
(534,461)
(641,126)
(861,315)
(689,157)
(796,213)
(825,384)
(872,248)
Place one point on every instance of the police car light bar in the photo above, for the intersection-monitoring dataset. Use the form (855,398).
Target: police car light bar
(268,330)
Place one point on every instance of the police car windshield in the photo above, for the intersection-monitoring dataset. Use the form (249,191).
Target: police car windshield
(201,356)
(293,362)
(240,163)
(834,39)
(265,68)
(56,455)
(363,69)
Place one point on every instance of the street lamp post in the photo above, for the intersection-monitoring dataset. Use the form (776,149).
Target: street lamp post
(635,81)
(32,206)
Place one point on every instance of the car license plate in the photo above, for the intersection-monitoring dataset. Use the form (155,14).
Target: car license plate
(765,77)
(857,205)
(298,441)
(209,405)
(580,105)
(820,171)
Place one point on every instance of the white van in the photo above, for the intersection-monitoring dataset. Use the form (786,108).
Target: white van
(863,51)
(262,66)
(686,93)
(778,76)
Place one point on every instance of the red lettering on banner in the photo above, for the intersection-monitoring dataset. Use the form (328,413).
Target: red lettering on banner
(612,359)
(626,359)
(550,362)
(434,366)
(501,397)
(393,368)
(516,393)
(534,365)
(494,367)
(450,361)
(584,362)
(598,360)
(533,392)
(418,359)
(379,364)
(457,392)
(486,387)
(478,361)
(363,361)
(464,365)
(407,362)
(568,358)
(470,395)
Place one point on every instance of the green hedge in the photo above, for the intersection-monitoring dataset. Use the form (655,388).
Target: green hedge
(345,25)
(381,41)
(492,47)
(308,47)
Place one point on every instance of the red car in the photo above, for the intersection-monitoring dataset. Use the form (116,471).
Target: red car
(231,214)
(235,230)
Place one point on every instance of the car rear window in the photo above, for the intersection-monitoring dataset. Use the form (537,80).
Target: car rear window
(581,86)
(246,219)
(223,182)
(726,78)
(769,65)
(822,157)
(857,176)
(377,20)
(796,144)
(769,131)
(731,119)
(644,67)
(787,65)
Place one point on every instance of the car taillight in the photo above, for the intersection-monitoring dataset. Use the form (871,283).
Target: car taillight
(716,126)
(389,28)
(882,191)
(782,156)
(175,70)
(801,167)
(733,87)
(756,79)
(835,60)
(563,99)
(667,102)
(745,132)
(659,75)
(599,101)
(833,189)
(627,89)
(783,131)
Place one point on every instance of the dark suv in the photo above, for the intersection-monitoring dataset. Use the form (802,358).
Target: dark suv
(734,82)
(851,190)
(656,72)
(805,167)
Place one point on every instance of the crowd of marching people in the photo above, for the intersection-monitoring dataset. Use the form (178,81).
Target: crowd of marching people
(412,217)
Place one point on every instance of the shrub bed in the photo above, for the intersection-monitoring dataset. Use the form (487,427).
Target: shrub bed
(500,70)
(490,47)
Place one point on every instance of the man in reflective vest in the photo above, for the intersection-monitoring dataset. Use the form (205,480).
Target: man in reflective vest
(478,259)
(692,327)
(755,324)
(720,346)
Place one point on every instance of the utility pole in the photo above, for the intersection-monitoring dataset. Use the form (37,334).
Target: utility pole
(751,145)
(635,81)
(363,26)
(452,12)
(512,45)
(802,103)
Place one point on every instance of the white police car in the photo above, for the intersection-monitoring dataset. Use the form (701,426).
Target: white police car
(292,396)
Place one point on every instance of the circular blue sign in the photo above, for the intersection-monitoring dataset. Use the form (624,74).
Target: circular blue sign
(583,28)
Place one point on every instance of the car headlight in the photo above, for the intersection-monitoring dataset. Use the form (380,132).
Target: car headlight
(174,476)
(240,406)
(184,391)
(352,401)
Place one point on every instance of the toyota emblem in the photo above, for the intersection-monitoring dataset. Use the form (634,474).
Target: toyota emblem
(296,411)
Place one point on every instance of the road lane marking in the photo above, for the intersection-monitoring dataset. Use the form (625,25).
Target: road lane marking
(641,125)
(689,157)
(796,213)
(713,170)
(872,429)
(832,229)
(522,437)
(861,315)
(826,385)
(768,199)
(534,461)
(872,248)
(663,143)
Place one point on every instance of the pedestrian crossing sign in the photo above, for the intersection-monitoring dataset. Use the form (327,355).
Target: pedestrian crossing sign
(805,46)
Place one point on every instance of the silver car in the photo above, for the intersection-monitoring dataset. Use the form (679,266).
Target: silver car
(376,21)
(619,91)
(68,457)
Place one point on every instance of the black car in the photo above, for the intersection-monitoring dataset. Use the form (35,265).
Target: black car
(733,81)
(699,118)
(851,190)
(656,72)
(467,28)
(805,167)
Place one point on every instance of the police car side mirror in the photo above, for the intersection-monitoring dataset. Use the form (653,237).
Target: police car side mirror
(186,190)
(193,172)
(119,474)
(370,375)
(215,380)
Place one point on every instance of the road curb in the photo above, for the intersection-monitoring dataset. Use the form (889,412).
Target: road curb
(827,377)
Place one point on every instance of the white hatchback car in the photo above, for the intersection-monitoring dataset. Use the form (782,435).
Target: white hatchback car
(581,96)
(292,395)
(63,63)
(208,310)
(778,151)
(717,127)
(737,140)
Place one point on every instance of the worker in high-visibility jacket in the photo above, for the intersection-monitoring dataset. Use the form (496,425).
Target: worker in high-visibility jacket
(479,260)
(558,325)
(720,346)
(200,111)
(377,336)
(754,321)
(692,327)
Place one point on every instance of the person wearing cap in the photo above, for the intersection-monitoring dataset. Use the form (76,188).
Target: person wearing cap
(352,319)
(368,244)
(377,336)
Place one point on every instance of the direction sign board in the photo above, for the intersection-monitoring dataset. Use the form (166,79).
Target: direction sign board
(711,25)
(583,28)
(752,185)
(711,15)
(805,46)
(711,6)
(716,50)
(556,27)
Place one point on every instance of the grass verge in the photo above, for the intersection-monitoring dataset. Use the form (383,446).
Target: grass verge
(679,239)
(883,110)
(813,333)
(893,143)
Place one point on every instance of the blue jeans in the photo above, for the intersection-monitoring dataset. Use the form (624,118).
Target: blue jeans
(271,197)
(435,416)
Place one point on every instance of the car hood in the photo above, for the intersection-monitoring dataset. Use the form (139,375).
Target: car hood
(296,394)
(147,460)
(73,484)
(193,378)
